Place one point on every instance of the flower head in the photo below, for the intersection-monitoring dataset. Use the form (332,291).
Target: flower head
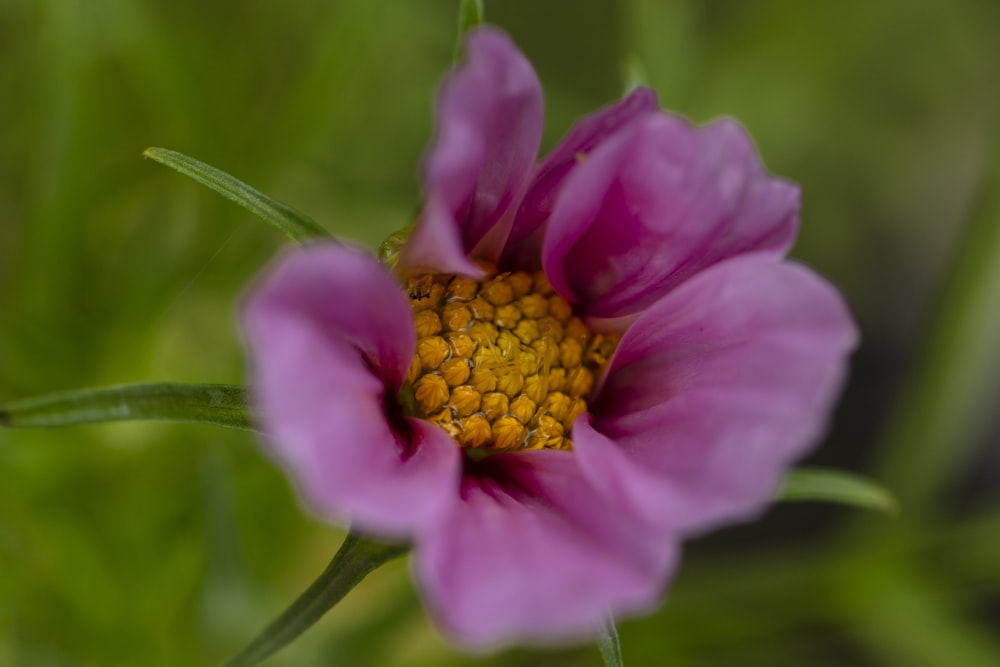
(574,364)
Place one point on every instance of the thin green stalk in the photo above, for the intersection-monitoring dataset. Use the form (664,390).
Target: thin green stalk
(355,559)
(470,15)
(610,646)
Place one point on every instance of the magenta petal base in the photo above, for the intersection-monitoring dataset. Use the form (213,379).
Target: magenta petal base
(527,551)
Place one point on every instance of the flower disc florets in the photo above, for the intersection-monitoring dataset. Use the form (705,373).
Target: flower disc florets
(502,363)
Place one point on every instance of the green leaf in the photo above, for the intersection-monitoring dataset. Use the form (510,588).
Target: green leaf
(223,405)
(470,15)
(284,218)
(356,558)
(836,486)
(610,646)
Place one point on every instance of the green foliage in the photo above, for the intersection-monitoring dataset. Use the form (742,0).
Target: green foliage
(221,405)
(836,486)
(284,218)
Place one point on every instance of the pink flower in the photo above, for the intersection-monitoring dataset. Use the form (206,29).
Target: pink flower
(542,485)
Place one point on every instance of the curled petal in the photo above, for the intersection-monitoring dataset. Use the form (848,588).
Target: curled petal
(653,206)
(529,551)
(524,241)
(489,127)
(435,244)
(330,336)
(715,390)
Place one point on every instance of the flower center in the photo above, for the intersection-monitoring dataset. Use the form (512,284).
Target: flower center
(502,364)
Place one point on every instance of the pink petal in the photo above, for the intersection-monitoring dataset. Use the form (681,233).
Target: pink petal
(714,391)
(435,244)
(489,127)
(524,243)
(330,336)
(529,551)
(658,203)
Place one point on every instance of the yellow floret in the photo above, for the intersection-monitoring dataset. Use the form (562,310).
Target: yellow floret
(502,364)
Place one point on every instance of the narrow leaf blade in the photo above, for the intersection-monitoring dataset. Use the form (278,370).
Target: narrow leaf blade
(293,224)
(222,405)
(836,486)
(355,559)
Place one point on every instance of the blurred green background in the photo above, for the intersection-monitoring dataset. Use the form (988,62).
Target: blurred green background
(150,544)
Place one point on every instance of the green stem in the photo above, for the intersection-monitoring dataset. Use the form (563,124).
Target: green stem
(296,226)
(610,646)
(470,15)
(219,404)
(356,558)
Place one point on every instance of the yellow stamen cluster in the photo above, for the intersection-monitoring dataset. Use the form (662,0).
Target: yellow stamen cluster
(502,364)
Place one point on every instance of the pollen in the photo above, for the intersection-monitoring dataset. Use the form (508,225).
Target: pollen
(502,364)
